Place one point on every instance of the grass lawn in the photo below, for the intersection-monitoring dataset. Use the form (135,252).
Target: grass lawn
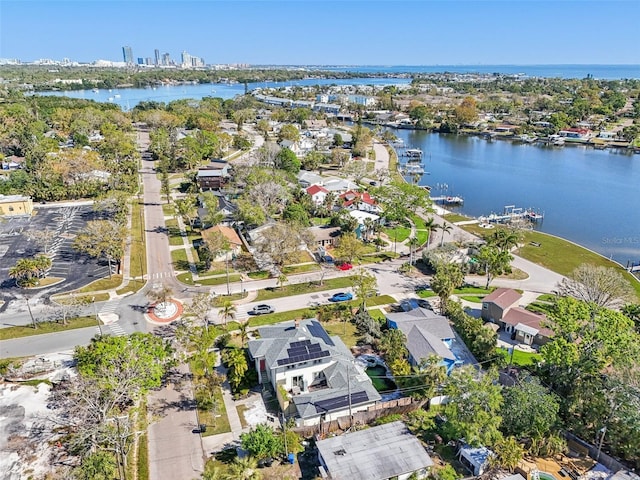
(241,409)
(102,284)
(175,237)
(474,290)
(377,257)
(179,255)
(563,257)
(168,210)
(46,327)
(320,221)
(520,358)
(472,298)
(426,293)
(138,248)
(455,217)
(133,286)
(301,257)
(186,278)
(547,297)
(300,288)
(304,268)
(217,422)
(422,236)
(278,317)
(540,307)
(397,234)
(220,280)
(377,314)
(259,275)
(345,330)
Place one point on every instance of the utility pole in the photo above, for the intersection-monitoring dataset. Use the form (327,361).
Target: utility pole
(33,320)
(95,313)
(603,430)
(227,262)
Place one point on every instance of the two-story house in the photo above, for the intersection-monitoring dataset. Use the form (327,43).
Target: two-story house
(314,375)
(427,334)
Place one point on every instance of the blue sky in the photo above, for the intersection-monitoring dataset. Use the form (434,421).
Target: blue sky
(348,32)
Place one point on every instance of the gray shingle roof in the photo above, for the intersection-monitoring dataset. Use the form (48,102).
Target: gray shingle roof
(422,344)
(431,322)
(375,453)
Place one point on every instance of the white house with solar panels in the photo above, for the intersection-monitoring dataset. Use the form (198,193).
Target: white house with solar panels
(314,375)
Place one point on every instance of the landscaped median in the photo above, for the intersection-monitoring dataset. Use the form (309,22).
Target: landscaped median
(20,331)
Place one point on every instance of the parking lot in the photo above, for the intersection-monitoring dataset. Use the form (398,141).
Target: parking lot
(66,222)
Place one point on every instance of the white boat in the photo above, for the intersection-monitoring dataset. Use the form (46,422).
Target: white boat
(117,95)
(95,90)
(111,99)
(413,153)
(413,170)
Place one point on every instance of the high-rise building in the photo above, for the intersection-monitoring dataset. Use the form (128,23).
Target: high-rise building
(186,59)
(127,55)
(157,56)
(140,61)
(166,59)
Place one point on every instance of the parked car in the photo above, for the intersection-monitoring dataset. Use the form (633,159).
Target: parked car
(422,303)
(261,309)
(341,297)
(345,266)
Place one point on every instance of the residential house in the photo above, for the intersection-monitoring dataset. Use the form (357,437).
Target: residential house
(306,178)
(235,244)
(325,236)
(317,193)
(314,375)
(315,125)
(495,305)
(526,327)
(11,205)
(427,334)
(339,185)
(575,133)
(353,200)
(12,162)
(226,206)
(383,452)
(213,176)
(361,216)
(476,459)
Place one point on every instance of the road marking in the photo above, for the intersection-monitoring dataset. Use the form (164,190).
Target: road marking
(110,306)
(116,330)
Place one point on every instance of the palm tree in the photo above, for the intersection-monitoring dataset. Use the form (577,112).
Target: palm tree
(445,229)
(282,279)
(227,311)
(245,468)
(413,243)
(24,272)
(504,239)
(431,225)
(244,332)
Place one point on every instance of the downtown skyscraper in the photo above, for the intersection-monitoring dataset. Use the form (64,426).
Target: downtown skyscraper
(127,55)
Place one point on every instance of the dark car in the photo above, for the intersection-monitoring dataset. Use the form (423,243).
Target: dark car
(424,304)
(341,297)
(261,309)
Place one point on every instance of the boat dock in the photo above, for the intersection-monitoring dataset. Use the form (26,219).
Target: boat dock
(448,200)
(511,214)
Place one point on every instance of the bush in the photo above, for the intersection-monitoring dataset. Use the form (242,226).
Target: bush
(223,341)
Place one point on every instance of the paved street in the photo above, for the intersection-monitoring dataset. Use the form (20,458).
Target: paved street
(175,448)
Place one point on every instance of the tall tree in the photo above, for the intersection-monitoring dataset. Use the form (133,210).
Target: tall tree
(349,248)
(603,286)
(448,277)
(102,238)
(494,261)
(364,286)
(473,410)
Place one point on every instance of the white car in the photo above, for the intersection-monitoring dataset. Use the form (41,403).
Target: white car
(261,309)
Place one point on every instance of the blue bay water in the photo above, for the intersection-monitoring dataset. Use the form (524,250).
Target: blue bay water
(588,196)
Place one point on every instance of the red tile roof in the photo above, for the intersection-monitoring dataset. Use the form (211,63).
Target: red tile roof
(351,197)
(313,189)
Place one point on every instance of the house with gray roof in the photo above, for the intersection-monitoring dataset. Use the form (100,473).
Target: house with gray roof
(378,453)
(314,375)
(427,334)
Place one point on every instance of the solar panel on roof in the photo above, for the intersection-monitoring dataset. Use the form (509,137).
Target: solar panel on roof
(340,402)
(317,331)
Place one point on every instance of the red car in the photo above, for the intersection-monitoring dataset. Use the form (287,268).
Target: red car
(345,266)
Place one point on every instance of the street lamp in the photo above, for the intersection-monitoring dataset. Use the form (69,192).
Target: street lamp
(95,313)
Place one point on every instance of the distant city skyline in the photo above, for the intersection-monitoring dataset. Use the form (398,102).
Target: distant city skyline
(347,32)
